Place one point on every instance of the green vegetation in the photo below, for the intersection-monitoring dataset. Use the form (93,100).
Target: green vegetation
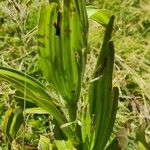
(19,50)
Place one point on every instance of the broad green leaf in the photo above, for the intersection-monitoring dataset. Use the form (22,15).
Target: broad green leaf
(62,35)
(91,10)
(86,124)
(101,16)
(13,119)
(36,93)
(16,122)
(62,38)
(102,99)
(141,146)
(7,124)
(64,145)
(44,143)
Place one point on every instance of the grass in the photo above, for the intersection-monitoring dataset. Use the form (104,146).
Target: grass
(18,49)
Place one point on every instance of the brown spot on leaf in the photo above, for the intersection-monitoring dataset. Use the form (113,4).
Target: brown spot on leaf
(100,68)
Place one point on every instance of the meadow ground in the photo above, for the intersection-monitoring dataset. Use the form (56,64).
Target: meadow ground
(18,49)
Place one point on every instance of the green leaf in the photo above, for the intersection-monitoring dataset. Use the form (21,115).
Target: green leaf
(7,124)
(36,110)
(141,146)
(101,16)
(86,123)
(64,145)
(103,100)
(13,119)
(44,143)
(62,36)
(16,122)
(36,93)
